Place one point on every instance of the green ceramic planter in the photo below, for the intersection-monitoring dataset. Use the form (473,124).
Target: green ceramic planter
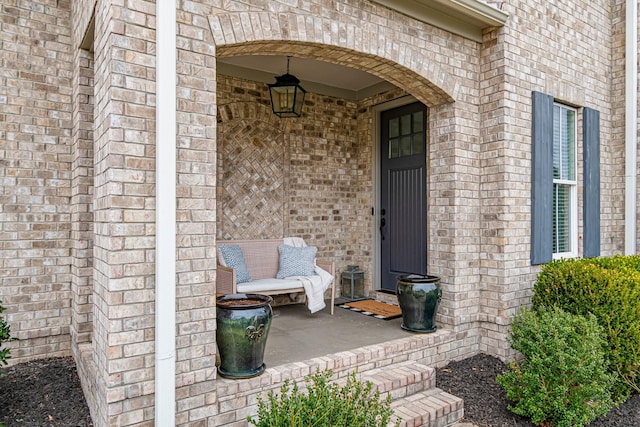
(418,297)
(243,322)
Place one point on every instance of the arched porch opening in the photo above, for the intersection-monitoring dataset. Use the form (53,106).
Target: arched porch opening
(315,176)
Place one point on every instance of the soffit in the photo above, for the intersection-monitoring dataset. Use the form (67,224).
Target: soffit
(467,18)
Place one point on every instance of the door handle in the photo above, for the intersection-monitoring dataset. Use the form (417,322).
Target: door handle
(383,222)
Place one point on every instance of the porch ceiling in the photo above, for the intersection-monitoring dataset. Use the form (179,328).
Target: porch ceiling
(316,76)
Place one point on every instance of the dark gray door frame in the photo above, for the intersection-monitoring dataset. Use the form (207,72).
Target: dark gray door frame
(375,218)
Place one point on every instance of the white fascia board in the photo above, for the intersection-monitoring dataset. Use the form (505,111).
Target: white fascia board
(467,18)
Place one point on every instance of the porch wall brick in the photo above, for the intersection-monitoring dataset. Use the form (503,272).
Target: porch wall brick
(35,175)
(196,214)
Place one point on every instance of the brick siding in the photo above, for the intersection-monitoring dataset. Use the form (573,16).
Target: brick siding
(77,167)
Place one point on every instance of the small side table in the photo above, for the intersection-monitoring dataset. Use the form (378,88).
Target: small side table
(352,284)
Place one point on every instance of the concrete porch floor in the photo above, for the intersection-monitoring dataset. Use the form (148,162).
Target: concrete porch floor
(298,335)
(300,343)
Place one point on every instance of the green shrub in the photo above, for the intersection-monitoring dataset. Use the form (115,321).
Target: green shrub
(608,288)
(325,404)
(562,380)
(5,336)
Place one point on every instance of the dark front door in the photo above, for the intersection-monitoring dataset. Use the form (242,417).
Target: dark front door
(403,202)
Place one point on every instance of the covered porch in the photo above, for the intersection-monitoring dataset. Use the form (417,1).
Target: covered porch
(397,362)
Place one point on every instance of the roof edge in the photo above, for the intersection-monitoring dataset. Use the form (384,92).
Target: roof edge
(467,18)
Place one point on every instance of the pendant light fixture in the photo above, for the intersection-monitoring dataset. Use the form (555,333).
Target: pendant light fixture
(287,96)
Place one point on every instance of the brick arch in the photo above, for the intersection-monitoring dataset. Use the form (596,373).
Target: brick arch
(251,155)
(354,44)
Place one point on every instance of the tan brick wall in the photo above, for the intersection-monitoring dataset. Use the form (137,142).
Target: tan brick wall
(82,198)
(35,136)
(613,173)
(97,365)
(196,216)
(82,224)
(537,50)
(56,202)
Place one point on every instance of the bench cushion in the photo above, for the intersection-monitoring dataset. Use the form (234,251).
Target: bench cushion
(266,285)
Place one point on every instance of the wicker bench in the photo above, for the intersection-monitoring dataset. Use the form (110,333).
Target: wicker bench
(262,259)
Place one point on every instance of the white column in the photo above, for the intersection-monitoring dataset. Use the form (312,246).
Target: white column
(165,358)
(631,127)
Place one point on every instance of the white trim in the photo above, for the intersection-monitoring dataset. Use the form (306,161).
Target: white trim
(631,128)
(467,18)
(376,111)
(573,195)
(573,222)
(165,334)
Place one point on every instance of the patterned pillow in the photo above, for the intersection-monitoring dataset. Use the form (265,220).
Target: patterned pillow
(296,261)
(234,258)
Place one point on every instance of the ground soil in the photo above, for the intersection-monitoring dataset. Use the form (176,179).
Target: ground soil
(43,392)
(485,403)
(47,393)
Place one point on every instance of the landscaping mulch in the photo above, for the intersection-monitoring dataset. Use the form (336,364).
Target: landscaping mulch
(43,392)
(47,392)
(485,401)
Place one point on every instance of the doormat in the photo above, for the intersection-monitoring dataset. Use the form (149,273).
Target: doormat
(377,309)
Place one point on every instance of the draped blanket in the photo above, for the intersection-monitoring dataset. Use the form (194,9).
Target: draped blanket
(314,286)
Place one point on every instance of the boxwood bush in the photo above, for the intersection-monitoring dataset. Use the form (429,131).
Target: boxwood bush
(325,404)
(608,288)
(562,379)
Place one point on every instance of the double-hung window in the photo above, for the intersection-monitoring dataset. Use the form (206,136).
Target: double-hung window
(565,184)
(554,181)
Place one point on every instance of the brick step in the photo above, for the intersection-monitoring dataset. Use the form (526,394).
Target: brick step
(400,379)
(429,408)
(416,400)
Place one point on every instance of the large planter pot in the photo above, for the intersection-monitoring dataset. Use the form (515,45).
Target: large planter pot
(418,297)
(243,322)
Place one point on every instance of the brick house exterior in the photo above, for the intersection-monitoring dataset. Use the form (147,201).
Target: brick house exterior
(78,167)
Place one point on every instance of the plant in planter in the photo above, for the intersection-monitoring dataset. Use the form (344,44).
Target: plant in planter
(325,404)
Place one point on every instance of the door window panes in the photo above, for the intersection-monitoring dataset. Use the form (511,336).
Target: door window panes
(406,135)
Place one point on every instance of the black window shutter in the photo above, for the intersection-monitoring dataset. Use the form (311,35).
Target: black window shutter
(591,189)
(542,179)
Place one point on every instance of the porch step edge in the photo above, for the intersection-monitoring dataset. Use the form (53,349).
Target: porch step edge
(399,379)
(419,348)
(430,408)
